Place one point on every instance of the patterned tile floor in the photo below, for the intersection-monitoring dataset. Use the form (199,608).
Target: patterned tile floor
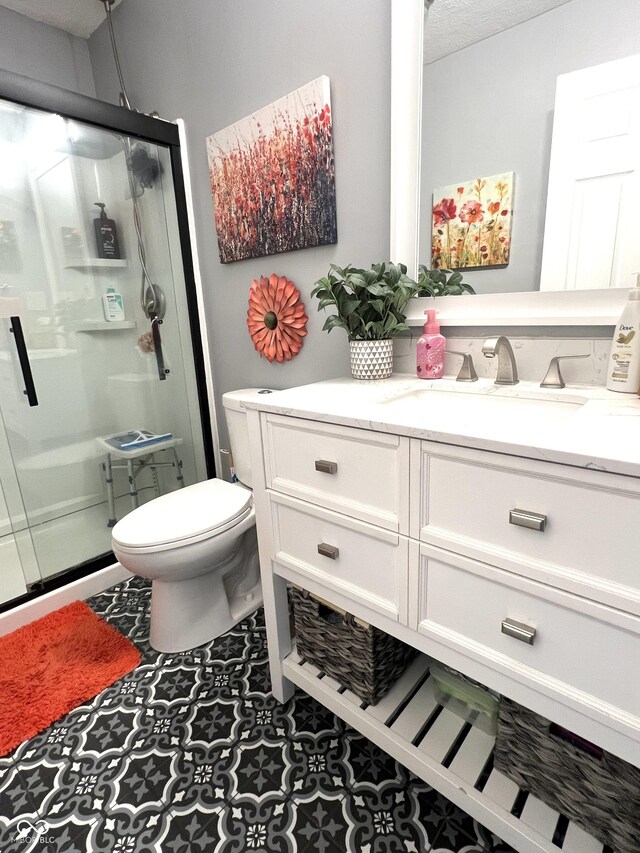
(190,752)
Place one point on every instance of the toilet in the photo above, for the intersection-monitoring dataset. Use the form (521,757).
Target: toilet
(198,547)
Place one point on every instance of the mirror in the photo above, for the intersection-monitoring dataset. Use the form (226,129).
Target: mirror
(488,109)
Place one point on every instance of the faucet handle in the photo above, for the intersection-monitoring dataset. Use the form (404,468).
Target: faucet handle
(553,377)
(467,372)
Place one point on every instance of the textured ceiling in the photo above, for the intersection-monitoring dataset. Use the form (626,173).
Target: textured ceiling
(78,17)
(454,24)
(451,24)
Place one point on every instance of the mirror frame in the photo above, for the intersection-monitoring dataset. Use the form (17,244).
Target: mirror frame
(534,308)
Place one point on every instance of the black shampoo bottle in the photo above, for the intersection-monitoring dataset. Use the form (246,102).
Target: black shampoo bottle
(106,235)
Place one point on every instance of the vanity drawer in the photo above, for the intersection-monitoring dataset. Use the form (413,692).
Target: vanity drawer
(364,563)
(489,613)
(467,503)
(361,473)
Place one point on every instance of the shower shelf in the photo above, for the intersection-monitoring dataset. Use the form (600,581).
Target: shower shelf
(97,264)
(103,326)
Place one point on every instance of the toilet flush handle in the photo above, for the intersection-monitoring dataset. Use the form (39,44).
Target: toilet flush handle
(225,451)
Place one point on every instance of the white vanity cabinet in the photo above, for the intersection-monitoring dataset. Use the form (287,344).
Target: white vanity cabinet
(338,501)
(519,572)
(567,527)
(360,473)
(367,564)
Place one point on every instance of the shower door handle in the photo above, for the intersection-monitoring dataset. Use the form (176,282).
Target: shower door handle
(157,346)
(23,358)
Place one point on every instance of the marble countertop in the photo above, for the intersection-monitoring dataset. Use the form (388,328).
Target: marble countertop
(586,426)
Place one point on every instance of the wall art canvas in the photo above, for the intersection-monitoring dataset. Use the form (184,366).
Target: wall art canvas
(273,178)
(471,225)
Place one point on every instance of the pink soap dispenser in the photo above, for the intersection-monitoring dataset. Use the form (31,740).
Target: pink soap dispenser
(431,347)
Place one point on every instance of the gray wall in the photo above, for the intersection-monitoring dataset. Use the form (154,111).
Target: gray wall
(44,53)
(489,109)
(214,63)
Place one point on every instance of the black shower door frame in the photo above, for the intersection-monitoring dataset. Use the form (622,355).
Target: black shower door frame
(81,108)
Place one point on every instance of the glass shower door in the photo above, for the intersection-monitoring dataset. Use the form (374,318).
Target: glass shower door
(18,564)
(84,373)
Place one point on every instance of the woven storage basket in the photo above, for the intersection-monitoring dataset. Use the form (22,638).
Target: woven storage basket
(359,656)
(600,792)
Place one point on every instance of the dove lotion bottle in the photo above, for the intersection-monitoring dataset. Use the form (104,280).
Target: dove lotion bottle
(624,361)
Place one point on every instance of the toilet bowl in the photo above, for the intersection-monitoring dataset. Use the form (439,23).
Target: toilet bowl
(198,546)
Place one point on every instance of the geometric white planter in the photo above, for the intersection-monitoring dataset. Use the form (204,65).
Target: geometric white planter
(371,359)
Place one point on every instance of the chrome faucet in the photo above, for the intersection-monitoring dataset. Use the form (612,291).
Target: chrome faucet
(507,369)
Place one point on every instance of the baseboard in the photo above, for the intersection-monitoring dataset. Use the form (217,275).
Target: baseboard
(81,589)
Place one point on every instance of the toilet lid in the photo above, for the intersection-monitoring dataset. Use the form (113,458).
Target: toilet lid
(184,514)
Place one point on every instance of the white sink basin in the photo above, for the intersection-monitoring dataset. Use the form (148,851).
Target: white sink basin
(506,408)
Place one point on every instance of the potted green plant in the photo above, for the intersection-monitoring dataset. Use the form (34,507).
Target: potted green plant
(370,306)
(440,282)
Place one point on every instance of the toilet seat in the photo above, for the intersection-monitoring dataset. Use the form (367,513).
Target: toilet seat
(187,515)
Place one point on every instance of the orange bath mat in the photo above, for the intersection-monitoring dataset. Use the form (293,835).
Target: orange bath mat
(53,665)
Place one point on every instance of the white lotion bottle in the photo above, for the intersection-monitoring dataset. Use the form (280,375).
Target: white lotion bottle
(113,306)
(623,373)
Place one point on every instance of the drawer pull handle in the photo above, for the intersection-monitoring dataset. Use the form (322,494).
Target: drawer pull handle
(531,520)
(329,551)
(519,631)
(326,467)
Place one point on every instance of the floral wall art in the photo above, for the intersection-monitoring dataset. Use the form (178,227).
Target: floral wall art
(472,223)
(273,179)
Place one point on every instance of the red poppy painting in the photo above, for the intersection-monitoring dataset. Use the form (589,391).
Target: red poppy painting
(273,178)
(471,225)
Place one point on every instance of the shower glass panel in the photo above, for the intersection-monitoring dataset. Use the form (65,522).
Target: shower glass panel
(18,564)
(70,377)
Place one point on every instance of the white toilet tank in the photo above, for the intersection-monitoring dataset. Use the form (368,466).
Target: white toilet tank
(238,432)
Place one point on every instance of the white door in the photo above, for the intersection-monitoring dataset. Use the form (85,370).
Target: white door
(591,227)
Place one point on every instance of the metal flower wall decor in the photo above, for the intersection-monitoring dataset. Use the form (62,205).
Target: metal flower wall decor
(276,318)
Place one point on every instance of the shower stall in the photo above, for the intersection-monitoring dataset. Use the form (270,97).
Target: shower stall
(72,373)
